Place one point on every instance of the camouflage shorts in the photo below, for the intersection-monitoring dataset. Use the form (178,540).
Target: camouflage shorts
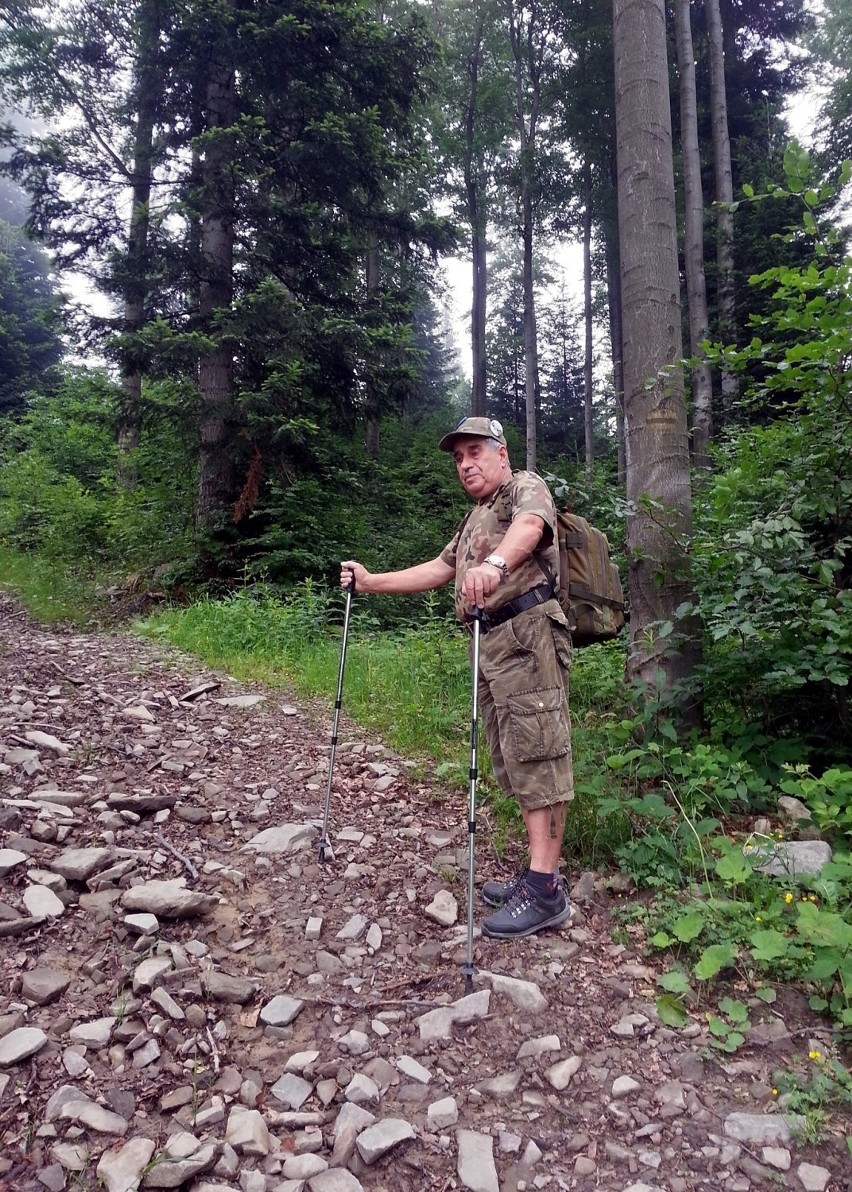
(523,699)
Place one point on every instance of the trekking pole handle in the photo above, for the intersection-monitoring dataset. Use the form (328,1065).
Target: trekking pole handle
(350,587)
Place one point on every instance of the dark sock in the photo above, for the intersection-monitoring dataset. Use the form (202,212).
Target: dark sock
(543,884)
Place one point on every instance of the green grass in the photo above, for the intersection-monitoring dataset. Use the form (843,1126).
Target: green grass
(50,591)
(412,688)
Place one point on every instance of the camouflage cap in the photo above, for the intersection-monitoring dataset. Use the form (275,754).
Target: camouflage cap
(483,428)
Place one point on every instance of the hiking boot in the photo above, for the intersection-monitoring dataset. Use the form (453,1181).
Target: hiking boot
(526,913)
(498,893)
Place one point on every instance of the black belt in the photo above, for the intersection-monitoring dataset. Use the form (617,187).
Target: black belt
(537,595)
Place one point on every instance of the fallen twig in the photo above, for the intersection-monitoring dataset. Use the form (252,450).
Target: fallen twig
(160,838)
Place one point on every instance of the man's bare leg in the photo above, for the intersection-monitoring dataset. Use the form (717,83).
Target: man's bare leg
(545,828)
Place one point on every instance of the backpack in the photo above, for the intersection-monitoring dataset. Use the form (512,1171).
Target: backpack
(589,589)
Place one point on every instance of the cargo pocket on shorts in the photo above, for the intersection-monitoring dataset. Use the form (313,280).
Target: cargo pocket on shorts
(539,728)
(561,640)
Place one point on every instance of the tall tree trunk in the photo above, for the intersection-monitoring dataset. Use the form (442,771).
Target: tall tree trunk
(658,477)
(616,338)
(696,288)
(147,89)
(372,272)
(588,361)
(724,196)
(527,88)
(477,214)
(215,366)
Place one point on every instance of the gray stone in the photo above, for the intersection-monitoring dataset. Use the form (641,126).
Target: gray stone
(10,858)
(442,1114)
(287,838)
(20,1044)
(354,1042)
(95,1034)
(476,1167)
(759,1129)
(302,1167)
(52,1177)
(46,741)
(240,701)
(42,903)
(71,1156)
(539,1046)
(147,975)
(361,1090)
(247,1131)
(95,1117)
(120,1168)
(335,1179)
(291,1090)
(300,1060)
(352,1117)
(353,929)
(377,1140)
(281,1010)
(64,1094)
(44,985)
(623,1086)
(137,712)
(792,858)
(78,864)
(777,1156)
(499,1086)
(526,995)
(438,1024)
(167,899)
(142,924)
(813,1178)
(223,988)
(171,1174)
(793,810)
(443,909)
(414,1070)
(560,1075)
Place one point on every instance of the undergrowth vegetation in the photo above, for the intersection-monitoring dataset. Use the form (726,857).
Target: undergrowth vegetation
(694,818)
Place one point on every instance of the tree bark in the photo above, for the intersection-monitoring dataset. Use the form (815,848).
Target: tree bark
(588,361)
(659,523)
(477,214)
(372,275)
(215,366)
(527,127)
(696,288)
(147,90)
(726,295)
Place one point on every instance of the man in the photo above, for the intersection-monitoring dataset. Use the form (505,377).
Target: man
(504,560)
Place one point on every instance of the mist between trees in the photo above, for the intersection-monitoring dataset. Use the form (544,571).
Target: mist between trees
(255,188)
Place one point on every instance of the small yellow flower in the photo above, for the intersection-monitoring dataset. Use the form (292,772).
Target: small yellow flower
(788,897)
(815,1055)
(775,1092)
(758,919)
(812,898)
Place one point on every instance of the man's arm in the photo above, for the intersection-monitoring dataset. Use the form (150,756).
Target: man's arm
(519,542)
(421,578)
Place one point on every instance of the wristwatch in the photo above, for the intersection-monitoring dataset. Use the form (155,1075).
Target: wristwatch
(498,561)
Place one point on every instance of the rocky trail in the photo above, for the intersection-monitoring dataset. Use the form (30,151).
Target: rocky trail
(188,999)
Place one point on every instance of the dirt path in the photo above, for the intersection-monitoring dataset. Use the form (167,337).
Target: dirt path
(266,1024)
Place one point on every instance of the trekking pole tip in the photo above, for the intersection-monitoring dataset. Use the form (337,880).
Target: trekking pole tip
(468,971)
(326,852)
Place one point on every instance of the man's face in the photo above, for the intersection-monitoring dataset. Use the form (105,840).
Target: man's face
(481,466)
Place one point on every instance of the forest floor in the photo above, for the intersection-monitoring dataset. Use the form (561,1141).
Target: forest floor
(186,1005)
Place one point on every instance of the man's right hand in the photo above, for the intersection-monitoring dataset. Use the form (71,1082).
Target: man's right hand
(362,575)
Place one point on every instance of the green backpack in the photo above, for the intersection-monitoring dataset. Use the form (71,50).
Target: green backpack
(589,588)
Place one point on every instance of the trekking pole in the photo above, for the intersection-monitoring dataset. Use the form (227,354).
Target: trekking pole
(476,617)
(326,853)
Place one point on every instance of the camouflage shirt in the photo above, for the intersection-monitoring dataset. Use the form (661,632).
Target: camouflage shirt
(484,528)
